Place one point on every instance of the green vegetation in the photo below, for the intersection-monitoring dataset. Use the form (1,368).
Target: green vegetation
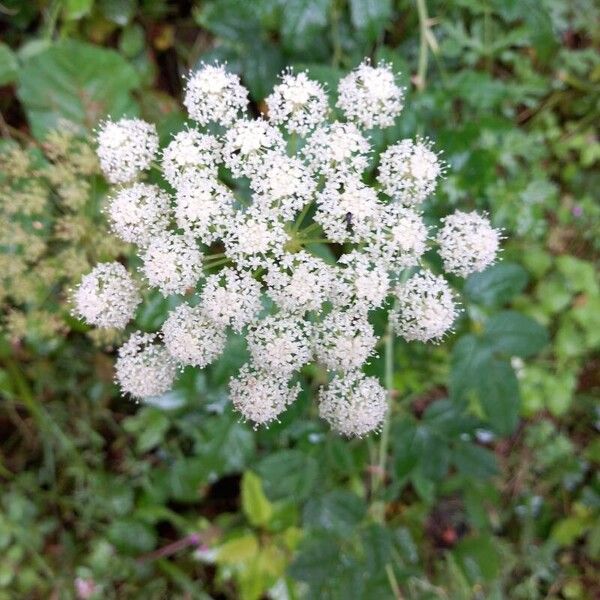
(489,487)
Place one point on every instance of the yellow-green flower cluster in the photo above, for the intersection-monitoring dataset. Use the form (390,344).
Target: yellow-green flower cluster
(51,230)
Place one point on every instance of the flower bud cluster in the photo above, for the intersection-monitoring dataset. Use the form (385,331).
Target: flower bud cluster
(268,227)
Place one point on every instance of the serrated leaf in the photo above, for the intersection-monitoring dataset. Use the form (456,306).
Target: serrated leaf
(370,16)
(255,504)
(514,334)
(303,21)
(498,393)
(474,461)
(76,82)
(497,284)
(338,511)
(288,474)
(316,561)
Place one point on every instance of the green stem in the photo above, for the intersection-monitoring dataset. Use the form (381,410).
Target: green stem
(214,256)
(423,45)
(216,263)
(314,240)
(336,40)
(302,216)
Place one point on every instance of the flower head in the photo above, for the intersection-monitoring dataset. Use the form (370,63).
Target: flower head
(298,103)
(370,96)
(253,238)
(139,213)
(337,150)
(261,397)
(215,95)
(282,185)
(203,206)
(172,263)
(190,151)
(231,298)
(126,148)
(425,309)
(349,211)
(108,296)
(144,368)
(280,344)
(467,243)
(345,340)
(408,171)
(245,144)
(300,282)
(353,404)
(400,239)
(191,338)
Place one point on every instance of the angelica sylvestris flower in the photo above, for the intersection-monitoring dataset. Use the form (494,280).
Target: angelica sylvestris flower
(139,213)
(215,95)
(425,309)
(203,206)
(353,404)
(247,142)
(190,151)
(345,340)
(280,345)
(191,338)
(287,242)
(126,148)
(231,298)
(370,96)
(261,397)
(337,150)
(144,367)
(408,171)
(298,103)
(108,296)
(172,263)
(467,243)
(300,282)
(348,211)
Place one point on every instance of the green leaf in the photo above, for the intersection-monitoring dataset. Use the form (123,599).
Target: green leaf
(303,21)
(288,474)
(338,511)
(475,370)
(514,334)
(233,20)
(119,12)
(498,392)
(316,561)
(370,16)
(238,550)
(186,477)
(131,536)
(474,461)
(479,558)
(150,426)
(497,284)
(8,65)
(469,357)
(261,65)
(75,9)
(77,82)
(254,502)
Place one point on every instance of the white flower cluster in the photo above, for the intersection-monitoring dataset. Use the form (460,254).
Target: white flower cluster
(267,227)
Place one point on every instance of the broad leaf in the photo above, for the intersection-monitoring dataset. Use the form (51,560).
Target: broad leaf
(76,82)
